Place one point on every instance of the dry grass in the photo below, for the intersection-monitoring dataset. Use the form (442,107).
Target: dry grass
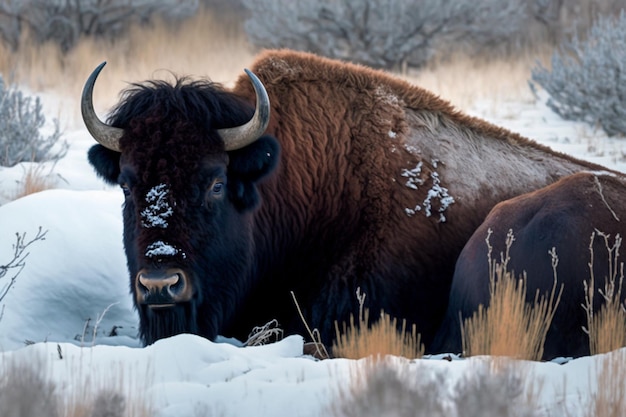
(467,80)
(27,391)
(609,398)
(397,387)
(510,326)
(384,337)
(104,401)
(206,45)
(388,387)
(201,46)
(94,396)
(263,335)
(606,327)
(34,180)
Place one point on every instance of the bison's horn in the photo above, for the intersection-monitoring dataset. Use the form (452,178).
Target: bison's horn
(105,135)
(241,136)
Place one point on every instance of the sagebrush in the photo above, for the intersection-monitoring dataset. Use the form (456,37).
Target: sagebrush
(586,80)
(65,22)
(387,34)
(21,121)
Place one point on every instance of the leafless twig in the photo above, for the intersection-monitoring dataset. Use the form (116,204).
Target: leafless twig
(17,263)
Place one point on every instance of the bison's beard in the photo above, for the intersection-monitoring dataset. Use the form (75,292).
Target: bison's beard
(160,323)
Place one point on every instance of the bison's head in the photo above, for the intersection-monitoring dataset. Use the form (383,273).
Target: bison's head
(188,157)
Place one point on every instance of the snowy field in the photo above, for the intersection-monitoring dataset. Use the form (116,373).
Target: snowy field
(70,304)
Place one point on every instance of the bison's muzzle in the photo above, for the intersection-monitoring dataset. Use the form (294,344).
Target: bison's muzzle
(162,288)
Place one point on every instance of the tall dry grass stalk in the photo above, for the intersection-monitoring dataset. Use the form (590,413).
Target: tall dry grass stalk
(384,337)
(606,326)
(510,326)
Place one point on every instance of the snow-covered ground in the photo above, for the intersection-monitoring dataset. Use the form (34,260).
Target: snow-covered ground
(71,300)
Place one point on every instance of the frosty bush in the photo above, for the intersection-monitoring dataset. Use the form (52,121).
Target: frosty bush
(587,81)
(378,33)
(65,21)
(21,119)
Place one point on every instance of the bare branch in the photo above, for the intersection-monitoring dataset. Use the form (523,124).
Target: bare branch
(17,263)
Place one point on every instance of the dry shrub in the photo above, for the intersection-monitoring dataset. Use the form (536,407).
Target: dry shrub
(510,326)
(606,326)
(383,337)
(389,387)
(397,387)
(25,392)
(270,332)
(609,398)
(496,387)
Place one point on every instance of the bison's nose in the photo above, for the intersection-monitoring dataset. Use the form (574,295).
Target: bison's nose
(162,288)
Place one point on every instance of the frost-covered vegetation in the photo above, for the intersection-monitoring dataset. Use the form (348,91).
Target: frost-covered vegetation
(66,21)
(21,120)
(400,33)
(587,76)
(381,34)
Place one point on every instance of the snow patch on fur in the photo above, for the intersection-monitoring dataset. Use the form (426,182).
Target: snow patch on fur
(158,210)
(437,198)
(160,248)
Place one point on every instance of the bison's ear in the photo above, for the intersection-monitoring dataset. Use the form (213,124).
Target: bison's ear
(247,166)
(106,163)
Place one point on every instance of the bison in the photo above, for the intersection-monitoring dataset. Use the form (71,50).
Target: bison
(350,178)
(566,216)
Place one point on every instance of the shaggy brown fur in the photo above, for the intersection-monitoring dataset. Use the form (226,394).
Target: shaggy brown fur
(379,185)
(347,134)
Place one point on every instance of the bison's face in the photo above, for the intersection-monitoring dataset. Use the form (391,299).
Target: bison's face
(189,203)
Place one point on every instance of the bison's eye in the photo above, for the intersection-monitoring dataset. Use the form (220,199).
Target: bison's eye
(125,189)
(217,189)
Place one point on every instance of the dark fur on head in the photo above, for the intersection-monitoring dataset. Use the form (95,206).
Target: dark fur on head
(170,138)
